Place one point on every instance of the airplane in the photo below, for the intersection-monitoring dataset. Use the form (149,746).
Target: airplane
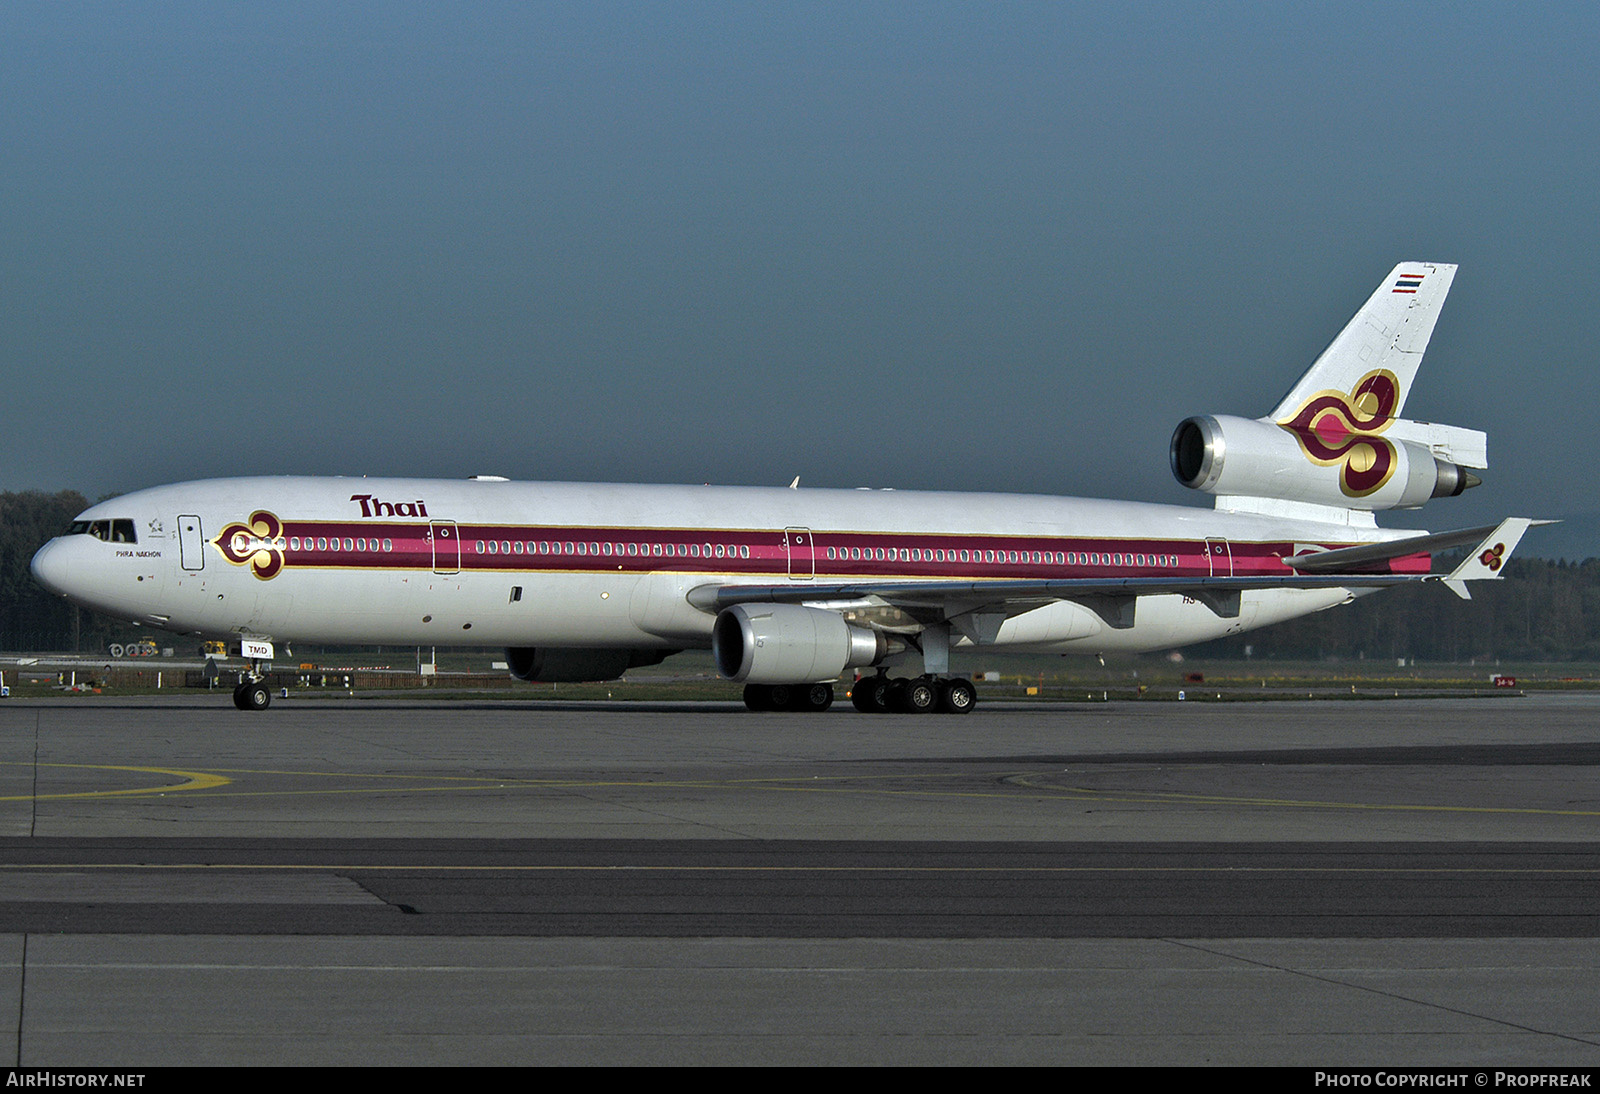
(792,587)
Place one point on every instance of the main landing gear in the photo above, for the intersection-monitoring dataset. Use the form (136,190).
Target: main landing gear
(917,695)
(934,692)
(870,695)
(813,698)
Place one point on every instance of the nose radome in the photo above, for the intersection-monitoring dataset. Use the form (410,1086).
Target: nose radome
(52,567)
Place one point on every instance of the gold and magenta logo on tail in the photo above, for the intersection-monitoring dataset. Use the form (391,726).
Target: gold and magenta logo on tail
(258,543)
(1341,428)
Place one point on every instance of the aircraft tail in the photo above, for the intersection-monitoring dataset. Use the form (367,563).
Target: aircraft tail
(1336,445)
(1389,334)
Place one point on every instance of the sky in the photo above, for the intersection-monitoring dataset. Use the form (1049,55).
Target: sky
(922,245)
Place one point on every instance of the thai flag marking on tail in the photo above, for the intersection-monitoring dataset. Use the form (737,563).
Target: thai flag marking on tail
(1408,283)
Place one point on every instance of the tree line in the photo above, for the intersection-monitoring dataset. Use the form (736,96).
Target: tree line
(30,618)
(1542,610)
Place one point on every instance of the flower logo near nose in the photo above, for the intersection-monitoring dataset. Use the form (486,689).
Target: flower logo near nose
(257,543)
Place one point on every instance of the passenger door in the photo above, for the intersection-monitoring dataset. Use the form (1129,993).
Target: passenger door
(446,546)
(191,543)
(798,545)
(1221,557)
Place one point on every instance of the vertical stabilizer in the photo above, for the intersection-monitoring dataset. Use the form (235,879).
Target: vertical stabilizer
(1388,334)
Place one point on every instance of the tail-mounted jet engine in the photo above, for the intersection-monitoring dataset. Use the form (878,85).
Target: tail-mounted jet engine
(1324,462)
(577,666)
(790,644)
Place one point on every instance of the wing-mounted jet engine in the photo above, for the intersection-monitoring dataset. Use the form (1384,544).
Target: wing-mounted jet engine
(790,644)
(1337,439)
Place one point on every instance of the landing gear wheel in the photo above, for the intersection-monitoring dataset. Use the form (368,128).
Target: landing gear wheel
(871,695)
(780,697)
(238,696)
(757,697)
(895,695)
(957,697)
(253,697)
(918,696)
(816,698)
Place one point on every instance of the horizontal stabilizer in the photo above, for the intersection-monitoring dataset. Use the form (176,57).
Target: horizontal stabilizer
(1451,443)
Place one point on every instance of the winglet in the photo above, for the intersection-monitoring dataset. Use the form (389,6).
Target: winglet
(1486,559)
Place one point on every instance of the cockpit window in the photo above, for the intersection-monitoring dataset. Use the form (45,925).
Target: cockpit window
(112,531)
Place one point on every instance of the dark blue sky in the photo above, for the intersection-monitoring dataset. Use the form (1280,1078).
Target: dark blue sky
(924,245)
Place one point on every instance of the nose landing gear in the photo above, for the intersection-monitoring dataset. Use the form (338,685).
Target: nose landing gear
(252,695)
(252,692)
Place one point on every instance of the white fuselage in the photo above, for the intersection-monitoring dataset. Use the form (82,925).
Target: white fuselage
(494,563)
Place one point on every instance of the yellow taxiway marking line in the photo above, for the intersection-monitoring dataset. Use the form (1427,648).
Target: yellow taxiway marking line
(193,780)
(199,782)
(438,783)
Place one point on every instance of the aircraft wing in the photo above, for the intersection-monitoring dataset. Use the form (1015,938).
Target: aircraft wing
(1507,533)
(926,603)
(1112,599)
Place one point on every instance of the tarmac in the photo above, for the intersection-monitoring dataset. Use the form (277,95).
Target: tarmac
(415,881)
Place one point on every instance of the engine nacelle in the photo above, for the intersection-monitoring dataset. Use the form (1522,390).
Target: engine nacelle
(1246,457)
(789,644)
(576,665)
